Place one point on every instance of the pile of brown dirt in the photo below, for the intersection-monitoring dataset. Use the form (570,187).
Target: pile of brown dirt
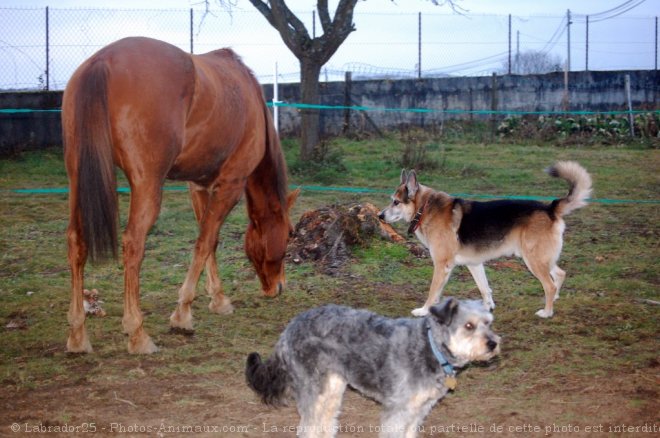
(325,235)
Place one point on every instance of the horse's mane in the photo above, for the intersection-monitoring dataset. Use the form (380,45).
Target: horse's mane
(273,148)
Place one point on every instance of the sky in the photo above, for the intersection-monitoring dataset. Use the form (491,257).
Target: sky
(517,7)
(386,39)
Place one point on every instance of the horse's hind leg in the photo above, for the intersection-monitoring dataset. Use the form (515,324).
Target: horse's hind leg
(219,302)
(220,202)
(144,209)
(78,342)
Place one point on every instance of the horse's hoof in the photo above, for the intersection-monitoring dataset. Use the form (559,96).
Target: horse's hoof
(222,306)
(141,344)
(181,320)
(78,342)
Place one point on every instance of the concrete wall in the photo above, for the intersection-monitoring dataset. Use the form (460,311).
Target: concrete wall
(596,91)
(29,130)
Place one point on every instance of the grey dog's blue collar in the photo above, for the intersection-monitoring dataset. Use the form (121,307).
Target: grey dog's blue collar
(444,363)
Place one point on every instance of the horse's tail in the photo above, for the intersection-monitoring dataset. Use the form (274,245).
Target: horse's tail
(580,186)
(268,379)
(90,144)
(276,156)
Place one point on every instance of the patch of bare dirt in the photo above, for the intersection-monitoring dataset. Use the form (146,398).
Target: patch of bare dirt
(222,405)
(130,401)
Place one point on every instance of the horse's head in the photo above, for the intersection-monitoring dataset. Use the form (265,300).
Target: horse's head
(265,244)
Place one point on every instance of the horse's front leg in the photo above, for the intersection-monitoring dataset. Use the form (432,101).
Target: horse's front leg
(218,205)
(219,302)
(144,209)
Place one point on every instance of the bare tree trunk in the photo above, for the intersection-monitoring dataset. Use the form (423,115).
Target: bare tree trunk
(312,52)
(309,117)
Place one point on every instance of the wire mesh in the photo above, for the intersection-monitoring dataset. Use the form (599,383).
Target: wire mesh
(41,48)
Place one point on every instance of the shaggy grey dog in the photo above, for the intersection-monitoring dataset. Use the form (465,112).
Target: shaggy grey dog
(405,364)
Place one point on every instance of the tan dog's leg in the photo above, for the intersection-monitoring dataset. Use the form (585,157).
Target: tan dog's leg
(441,271)
(541,270)
(540,252)
(479,274)
(558,276)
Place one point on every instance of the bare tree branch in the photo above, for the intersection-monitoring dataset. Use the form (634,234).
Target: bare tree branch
(324,15)
(453,4)
(227,5)
(291,29)
(340,28)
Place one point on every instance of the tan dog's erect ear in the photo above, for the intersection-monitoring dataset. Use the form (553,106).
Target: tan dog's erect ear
(291,199)
(404,176)
(411,184)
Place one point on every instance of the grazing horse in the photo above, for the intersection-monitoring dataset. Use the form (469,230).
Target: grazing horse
(159,113)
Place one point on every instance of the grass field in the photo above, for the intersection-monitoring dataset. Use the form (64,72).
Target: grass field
(591,368)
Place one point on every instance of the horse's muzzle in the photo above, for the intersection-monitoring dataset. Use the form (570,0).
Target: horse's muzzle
(276,291)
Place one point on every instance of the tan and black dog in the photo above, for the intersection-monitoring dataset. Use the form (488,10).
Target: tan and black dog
(461,232)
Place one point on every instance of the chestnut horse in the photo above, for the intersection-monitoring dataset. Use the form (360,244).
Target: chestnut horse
(159,113)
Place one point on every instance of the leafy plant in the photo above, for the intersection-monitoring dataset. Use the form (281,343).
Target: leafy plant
(417,152)
(596,128)
(325,167)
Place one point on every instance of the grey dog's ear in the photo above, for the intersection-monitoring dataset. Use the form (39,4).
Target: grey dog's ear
(445,312)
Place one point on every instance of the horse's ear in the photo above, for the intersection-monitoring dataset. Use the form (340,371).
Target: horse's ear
(291,199)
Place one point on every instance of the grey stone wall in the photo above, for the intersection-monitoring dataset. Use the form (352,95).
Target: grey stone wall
(594,91)
(21,131)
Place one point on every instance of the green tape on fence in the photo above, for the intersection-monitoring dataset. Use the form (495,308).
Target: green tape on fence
(27,110)
(448,111)
(304,106)
(340,189)
(40,191)
(360,190)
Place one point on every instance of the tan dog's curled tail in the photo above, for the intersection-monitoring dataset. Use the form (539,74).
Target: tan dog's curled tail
(580,189)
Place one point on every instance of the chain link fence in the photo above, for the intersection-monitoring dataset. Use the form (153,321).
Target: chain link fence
(40,48)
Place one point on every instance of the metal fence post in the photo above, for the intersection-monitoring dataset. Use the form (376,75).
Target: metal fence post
(276,100)
(568,39)
(566,101)
(631,120)
(191,31)
(47,72)
(419,44)
(655,89)
(656,44)
(493,106)
(509,43)
(586,60)
(348,80)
